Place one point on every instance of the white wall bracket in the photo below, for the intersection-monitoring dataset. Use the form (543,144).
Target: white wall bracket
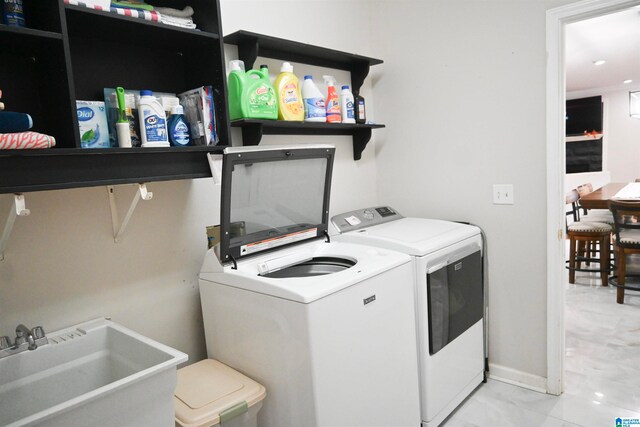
(18,208)
(119,227)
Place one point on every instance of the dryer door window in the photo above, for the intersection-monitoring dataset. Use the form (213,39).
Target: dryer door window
(455,298)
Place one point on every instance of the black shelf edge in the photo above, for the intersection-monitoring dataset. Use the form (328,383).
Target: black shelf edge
(30,32)
(30,170)
(274,47)
(316,127)
(253,129)
(125,20)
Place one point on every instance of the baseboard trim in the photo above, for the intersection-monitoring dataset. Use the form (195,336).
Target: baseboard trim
(517,378)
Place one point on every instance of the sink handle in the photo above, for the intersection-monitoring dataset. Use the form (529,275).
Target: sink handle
(5,342)
(38,332)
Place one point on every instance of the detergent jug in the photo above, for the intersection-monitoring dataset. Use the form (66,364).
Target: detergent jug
(289,96)
(251,94)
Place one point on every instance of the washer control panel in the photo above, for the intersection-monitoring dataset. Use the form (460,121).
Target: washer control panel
(361,218)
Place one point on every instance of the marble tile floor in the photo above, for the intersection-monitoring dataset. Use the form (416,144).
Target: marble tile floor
(602,369)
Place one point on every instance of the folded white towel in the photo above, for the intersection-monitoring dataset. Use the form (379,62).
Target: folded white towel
(177,22)
(187,12)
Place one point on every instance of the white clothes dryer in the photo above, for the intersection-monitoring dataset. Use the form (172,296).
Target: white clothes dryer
(327,327)
(449,292)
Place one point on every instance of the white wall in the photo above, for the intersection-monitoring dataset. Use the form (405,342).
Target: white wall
(463,95)
(62,266)
(462,92)
(623,138)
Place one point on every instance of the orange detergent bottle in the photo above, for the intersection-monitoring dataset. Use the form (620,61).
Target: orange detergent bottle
(332,103)
(287,87)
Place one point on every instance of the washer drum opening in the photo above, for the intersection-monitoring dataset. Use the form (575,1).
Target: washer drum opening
(318,266)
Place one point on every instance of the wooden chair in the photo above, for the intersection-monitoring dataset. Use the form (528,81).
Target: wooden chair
(584,237)
(626,241)
(596,215)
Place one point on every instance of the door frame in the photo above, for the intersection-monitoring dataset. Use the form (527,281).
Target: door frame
(557,19)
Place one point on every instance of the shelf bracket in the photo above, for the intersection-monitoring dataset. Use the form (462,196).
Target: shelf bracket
(359,72)
(248,53)
(18,208)
(252,134)
(361,138)
(119,227)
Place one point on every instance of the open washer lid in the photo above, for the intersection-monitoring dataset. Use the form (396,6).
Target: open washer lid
(272,197)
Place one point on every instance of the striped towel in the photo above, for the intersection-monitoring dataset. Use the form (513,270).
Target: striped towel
(142,14)
(24,140)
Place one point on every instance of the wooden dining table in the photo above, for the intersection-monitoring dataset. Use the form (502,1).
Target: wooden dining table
(599,199)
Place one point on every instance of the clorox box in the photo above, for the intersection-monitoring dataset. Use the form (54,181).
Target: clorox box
(92,121)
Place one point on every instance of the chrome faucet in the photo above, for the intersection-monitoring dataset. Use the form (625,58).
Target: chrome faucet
(24,335)
(26,339)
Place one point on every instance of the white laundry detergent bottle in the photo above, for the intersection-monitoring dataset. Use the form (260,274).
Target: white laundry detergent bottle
(314,107)
(153,121)
(346,105)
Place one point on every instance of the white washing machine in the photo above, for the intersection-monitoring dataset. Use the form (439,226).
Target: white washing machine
(450,304)
(328,328)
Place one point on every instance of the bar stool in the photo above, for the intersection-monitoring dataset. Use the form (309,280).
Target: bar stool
(583,237)
(626,241)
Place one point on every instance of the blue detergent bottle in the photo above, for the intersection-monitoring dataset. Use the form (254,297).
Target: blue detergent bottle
(179,131)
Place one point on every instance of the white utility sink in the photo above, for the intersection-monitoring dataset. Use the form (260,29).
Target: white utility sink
(97,373)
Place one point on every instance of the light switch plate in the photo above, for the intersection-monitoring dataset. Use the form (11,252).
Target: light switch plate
(502,194)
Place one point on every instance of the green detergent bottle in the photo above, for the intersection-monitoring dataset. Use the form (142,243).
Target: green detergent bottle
(251,94)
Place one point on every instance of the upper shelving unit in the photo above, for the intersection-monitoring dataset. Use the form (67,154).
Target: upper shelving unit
(251,45)
(83,21)
(68,53)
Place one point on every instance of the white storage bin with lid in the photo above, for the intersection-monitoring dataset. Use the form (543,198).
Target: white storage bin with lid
(209,393)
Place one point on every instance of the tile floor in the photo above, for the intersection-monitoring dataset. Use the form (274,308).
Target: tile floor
(602,369)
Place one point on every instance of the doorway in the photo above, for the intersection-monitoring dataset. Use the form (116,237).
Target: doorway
(557,19)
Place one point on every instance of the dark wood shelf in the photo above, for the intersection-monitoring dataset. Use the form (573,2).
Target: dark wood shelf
(27,41)
(251,45)
(104,25)
(31,170)
(252,131)
(30,32)
(71,53)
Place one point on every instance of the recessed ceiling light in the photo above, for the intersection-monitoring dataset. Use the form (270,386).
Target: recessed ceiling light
(599,62)
(627,81)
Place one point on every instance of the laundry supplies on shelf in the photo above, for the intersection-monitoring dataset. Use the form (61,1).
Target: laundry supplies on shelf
(287,87)
(332,103)
(359,108)
(346,105)
(251,94)
(92,122)
(199,113)
(179,134)
(153,121)
(314,105)
(13,13)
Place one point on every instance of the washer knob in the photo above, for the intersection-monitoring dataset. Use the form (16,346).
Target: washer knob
(368,215)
